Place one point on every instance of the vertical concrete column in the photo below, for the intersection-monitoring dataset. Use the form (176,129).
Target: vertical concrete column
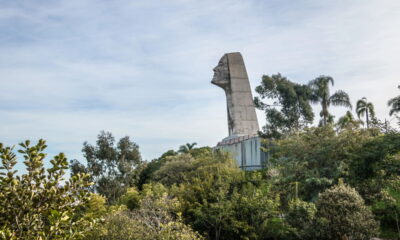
(230,74)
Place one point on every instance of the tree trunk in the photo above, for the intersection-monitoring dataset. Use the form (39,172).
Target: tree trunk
(325,111)
(217,233)
(366,114)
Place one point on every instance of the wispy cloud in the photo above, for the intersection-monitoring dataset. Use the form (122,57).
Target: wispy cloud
(142,68)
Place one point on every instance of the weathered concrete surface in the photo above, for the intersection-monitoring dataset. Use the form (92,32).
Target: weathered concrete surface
(246,151)
(230,74)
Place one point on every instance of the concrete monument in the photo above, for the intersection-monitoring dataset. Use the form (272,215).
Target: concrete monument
(243,141)
(230,74)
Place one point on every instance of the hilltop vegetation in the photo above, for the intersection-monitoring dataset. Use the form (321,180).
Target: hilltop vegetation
(319,184)
(339,180)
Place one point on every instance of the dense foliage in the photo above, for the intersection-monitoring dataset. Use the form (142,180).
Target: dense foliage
(316,158)
(111,166)
(38,204)
(291,109)
(153,218)
(320,183)
(336,181)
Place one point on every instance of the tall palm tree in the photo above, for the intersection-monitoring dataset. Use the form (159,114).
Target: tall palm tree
(187,148)
(321,94)
(394,103)
(365,107)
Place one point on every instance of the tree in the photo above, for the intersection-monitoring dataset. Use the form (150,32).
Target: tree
(175,170)
(321,94)
(146,173)
(169,162)
(384,195)
(342,214)
(365,107)
(187,148)
(316,158)
(348,121)
(40,204)
(112,166)
(291,109)
(219,202)
(394,103)
(203,195)
(256,211)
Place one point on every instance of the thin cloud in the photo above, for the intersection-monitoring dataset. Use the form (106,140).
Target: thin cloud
(143,68)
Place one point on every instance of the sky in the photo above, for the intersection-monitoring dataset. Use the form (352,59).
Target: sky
(69,69)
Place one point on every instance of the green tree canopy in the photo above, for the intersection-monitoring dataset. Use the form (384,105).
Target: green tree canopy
(155,218)
(290,110)
(146,173)
(348,121)
(175,170)
(219,201)
(316,158)
(111,165)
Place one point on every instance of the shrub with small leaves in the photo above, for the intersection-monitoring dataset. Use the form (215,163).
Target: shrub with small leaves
(155,218)
(342,214)
(301,217)
(40,204)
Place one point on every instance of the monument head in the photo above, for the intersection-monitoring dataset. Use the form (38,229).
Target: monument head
(221,73)
(230,74)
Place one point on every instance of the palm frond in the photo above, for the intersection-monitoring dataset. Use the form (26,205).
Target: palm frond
(395,108)
(361,104)
(330,79)
(371,109)
(314,99)
(394,103)
(360,112)
(360,107)
(394,100)
(321,81)
(320,88)
(340,98)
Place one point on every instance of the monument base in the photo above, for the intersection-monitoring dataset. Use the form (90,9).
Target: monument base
(246,150)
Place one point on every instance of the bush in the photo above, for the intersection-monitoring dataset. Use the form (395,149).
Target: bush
(131,199)
(301,216)
(96,207)
(40,204)
(342,214)
(153,220)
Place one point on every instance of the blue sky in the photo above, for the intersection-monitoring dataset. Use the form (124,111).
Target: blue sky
(69,69)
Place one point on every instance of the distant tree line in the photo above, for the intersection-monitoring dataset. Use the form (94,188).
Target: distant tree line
(289,109)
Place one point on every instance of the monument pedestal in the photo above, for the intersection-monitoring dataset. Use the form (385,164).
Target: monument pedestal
(246,150)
